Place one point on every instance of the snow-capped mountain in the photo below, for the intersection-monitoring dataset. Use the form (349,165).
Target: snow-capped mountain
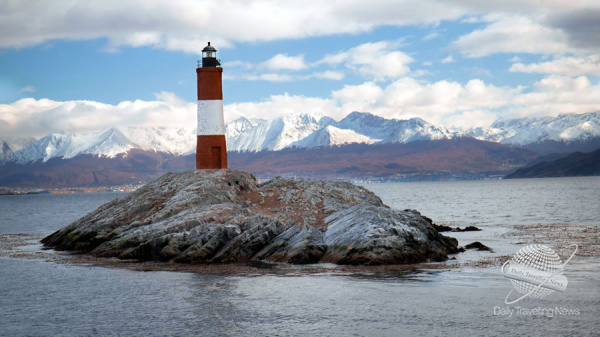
(332,136)
(236,127)
(178,141)
(108,143)
(563,128)
(65,145)
(10,145)
(309,131)
(301,131)
(274,134)
(394,130)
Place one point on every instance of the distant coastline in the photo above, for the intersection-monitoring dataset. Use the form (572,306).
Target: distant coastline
(30,191)
(577,164)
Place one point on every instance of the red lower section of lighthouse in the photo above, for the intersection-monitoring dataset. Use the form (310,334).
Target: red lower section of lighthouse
(211,152)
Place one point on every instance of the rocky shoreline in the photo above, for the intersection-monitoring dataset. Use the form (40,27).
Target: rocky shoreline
(224,216)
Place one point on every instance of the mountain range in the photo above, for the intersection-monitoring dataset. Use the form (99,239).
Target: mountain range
(544,135)
(294,135)
(10,145)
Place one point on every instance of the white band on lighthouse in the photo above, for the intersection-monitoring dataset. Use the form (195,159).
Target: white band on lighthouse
(210,117)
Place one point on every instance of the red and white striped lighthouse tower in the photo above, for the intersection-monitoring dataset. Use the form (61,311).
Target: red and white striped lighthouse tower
(211,149)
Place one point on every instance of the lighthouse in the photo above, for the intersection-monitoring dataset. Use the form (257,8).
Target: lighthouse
(211,149)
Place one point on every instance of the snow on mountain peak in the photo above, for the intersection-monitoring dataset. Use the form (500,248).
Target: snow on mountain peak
(10,145)
(303,130)
(274,134)
(581,131)
(332,136)
(237,126)
(108,143)
(522,131)
(394,130)
(177,141)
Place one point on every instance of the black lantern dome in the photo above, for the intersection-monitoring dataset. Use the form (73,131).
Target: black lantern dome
(209,57)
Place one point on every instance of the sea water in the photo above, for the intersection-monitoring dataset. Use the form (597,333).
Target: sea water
(40,298)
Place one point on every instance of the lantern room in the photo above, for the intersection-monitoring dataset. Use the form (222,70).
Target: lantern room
(209,57)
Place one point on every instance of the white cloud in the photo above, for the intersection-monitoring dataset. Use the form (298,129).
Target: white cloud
(278,77)
(284,62)
(362,97)
(29,88)
(431,36)
(448,59)
(475,103)
(557,94)
(512,34)
(515,59)
(238,63)
(572,66)
(437,102)
(329,75)
(271,77)
(377,61)
(281,105)
(187,25)
(479,72)
(31,117)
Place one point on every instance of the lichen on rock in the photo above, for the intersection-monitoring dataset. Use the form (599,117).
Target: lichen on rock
(219,216)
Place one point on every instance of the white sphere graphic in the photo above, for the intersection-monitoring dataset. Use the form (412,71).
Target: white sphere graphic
(539,257)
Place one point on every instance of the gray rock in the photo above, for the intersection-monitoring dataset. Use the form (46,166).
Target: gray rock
(218,216)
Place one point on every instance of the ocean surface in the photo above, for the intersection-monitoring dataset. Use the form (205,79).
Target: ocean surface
(45,298)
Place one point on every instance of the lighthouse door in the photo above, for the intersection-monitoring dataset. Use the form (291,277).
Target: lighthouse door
(215,160)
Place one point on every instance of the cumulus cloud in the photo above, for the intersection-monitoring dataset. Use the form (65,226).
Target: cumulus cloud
(377,60)
(475,103)
(557,94)
(512,34)
(31,117)
(282,105)
(362,97)
(187,25)
(572,66)
(284,62)
(439,102)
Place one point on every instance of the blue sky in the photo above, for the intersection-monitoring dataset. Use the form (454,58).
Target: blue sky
(81,66)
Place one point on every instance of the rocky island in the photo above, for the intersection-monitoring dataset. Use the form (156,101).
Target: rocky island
(221,216)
